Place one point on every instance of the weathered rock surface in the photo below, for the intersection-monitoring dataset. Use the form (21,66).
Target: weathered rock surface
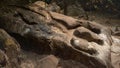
(9,52)
(42,32)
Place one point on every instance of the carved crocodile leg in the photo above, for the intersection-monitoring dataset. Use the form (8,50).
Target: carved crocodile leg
(79,43)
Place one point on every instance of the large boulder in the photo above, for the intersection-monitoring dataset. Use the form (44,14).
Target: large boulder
(41,31)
